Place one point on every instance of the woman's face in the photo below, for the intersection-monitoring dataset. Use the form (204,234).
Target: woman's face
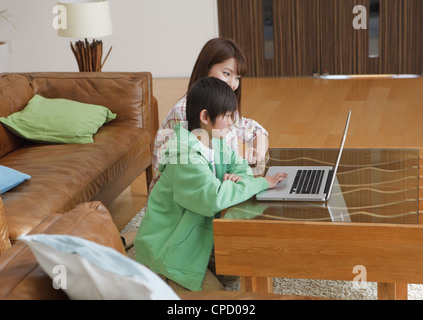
(225,71)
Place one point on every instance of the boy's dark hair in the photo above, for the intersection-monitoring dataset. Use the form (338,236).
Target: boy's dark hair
(211,94)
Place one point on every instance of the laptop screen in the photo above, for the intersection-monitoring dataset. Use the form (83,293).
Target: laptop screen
(341,147)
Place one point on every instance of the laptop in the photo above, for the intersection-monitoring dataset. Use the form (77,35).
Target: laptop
(335,209)
(304,183)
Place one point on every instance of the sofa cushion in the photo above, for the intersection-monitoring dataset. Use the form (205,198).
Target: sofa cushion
(11,178)
(4,230)
(58,120)
(69,174)
(15,91)
(20,275)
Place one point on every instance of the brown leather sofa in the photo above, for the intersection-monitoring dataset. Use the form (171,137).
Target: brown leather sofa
(65,175)
(71,184)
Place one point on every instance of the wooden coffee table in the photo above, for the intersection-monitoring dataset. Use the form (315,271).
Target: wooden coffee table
(369,230)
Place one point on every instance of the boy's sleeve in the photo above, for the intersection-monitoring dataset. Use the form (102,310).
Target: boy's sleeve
(237,164)
(240,167)
(198,190)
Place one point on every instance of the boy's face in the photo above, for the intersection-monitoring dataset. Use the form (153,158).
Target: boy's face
(220,128)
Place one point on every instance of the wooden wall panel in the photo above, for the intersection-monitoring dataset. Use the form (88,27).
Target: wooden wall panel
(401,37)
(388,62)
(242,21)
(297,37)
(344,50)
(317,35)
(410,36)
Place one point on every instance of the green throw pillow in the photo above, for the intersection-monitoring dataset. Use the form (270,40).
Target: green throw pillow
(58,120)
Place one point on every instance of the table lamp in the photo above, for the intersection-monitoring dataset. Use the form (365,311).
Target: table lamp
(87,19)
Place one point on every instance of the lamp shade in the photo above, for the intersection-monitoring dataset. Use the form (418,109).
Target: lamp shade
(86,19)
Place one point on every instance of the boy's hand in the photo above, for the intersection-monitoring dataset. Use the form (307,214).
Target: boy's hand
(273,180)
(232,177)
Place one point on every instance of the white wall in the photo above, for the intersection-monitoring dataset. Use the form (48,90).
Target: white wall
(160,36)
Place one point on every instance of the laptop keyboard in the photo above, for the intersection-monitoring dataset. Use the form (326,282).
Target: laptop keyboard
(307,182)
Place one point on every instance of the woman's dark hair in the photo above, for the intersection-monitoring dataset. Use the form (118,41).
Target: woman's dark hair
(216,51)
(211,94)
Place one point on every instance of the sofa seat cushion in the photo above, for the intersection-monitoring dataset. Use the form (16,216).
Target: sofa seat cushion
(69,174)
(20,275)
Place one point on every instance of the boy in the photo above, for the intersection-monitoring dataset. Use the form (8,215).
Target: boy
(200,176)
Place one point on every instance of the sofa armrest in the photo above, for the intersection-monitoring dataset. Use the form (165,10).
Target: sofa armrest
(4,230)
(20,275)
(150,110)
(155,121)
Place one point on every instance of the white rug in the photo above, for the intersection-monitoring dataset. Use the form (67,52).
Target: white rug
(344,290)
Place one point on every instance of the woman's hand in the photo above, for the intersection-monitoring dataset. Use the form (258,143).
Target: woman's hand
(273,180)
(232,177)
(256,154)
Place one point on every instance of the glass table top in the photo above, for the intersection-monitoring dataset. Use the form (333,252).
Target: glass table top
(372,185)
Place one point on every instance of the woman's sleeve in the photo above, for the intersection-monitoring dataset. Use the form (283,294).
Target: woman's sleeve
(175,116)
(248,129)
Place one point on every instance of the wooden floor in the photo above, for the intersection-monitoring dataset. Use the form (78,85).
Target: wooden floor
(311,113)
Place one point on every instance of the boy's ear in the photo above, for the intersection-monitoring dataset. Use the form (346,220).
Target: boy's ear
(204,116)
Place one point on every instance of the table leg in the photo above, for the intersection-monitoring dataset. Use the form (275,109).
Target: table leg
(256,284)
(392,291)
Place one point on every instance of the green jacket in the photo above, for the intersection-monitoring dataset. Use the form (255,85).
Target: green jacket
(175,237)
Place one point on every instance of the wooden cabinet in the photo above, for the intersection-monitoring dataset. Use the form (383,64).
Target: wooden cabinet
(318,36)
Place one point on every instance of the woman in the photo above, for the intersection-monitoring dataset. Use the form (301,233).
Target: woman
(222,59)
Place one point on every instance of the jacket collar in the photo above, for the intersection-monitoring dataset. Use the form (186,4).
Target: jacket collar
(181,144)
